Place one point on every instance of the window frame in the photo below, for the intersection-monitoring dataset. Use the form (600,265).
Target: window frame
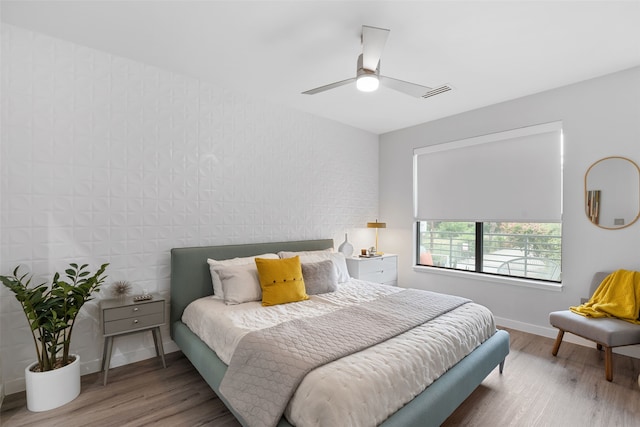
(477,273)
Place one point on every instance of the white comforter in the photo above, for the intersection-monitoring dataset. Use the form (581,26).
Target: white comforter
(362,389)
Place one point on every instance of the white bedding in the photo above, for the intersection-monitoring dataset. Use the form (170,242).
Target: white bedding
(385,376)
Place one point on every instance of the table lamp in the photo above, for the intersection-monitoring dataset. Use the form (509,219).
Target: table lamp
(377,225)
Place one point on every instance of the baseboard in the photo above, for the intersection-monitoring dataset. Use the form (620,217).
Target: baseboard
(550,332)
(527,327)
(14,386)
(93,366)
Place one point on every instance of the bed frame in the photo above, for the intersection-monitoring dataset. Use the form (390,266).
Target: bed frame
(190,280)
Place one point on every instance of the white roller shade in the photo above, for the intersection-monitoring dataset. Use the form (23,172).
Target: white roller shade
(508,176)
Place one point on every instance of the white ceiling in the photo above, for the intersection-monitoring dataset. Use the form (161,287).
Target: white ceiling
(488,51)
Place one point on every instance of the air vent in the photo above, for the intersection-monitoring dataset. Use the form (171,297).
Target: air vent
(437,91)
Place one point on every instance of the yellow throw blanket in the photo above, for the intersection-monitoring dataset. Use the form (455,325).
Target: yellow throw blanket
(617,296)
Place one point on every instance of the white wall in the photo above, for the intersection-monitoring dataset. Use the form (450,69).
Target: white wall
(108,160)
(601,117)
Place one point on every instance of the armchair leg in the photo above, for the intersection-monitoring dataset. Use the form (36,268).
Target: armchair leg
(608,363)
(556,346)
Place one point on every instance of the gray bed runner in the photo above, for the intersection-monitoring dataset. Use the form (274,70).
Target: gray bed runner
(268,365)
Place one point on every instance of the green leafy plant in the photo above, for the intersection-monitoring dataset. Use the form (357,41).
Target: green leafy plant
(51,310)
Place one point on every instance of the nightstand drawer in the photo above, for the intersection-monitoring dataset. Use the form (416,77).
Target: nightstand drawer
(135,310)
(380,276)
(377,265)
(133,323)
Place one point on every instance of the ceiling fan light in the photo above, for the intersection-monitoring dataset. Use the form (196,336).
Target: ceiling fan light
(367,82)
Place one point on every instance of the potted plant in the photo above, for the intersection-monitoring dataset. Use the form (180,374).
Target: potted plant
(54,379)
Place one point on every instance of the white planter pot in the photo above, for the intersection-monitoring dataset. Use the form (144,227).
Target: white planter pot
(51,389)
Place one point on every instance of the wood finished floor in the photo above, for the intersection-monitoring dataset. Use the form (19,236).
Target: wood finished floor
(536,389)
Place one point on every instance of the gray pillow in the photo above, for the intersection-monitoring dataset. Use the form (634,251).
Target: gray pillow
(320,277)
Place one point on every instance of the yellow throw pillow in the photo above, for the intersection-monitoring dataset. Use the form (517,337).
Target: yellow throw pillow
(281,280)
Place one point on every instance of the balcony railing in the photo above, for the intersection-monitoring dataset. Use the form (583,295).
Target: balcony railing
(521,255)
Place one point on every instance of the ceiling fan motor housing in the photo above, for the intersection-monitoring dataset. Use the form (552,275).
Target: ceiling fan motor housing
(361,70)
(367,80)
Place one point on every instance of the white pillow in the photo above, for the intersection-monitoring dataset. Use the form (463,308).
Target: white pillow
(240,283)
(218,292)
(339,261)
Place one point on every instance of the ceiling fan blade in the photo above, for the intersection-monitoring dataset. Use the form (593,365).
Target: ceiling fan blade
(329,86)
(373,41)
(411,89)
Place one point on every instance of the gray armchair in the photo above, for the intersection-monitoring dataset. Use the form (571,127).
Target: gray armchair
(606,332)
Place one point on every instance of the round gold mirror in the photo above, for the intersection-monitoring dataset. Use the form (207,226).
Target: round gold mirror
(612,192)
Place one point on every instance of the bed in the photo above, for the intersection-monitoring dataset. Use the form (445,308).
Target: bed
(191,281)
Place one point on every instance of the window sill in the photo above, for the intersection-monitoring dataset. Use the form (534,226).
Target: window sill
(511,281)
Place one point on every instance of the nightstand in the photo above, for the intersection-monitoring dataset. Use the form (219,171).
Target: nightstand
(380,269)
(123,317)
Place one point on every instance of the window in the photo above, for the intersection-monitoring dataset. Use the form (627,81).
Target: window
(526,250)
(492,204)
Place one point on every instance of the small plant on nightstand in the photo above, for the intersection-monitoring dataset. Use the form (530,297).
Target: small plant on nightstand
(120,289)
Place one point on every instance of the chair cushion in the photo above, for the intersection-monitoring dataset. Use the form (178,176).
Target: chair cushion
(608,331)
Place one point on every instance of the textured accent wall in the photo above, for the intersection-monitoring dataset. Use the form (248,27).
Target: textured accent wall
(105,159)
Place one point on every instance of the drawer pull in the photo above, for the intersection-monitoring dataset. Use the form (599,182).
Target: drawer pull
(135,309)
(135,321)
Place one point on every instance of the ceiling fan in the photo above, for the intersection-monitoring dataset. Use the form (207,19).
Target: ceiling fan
(368,76)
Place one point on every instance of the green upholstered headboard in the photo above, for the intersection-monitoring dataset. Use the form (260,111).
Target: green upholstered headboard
(190,276)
